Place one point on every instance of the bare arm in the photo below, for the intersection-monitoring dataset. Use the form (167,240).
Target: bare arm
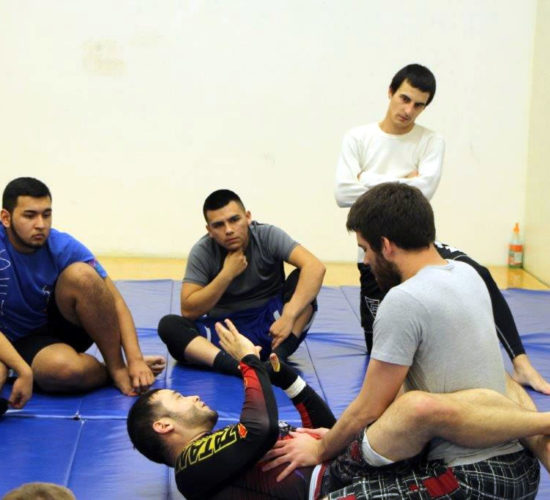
(312,271)
(22,387)
(140,374)
(197,300)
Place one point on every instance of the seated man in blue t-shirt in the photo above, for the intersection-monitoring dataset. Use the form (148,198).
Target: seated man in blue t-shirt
(236,271)
(56,301)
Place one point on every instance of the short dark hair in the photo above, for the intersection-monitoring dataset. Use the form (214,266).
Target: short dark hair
(139,424)
(23,186)
(397,211)
(219,199)
(418,76)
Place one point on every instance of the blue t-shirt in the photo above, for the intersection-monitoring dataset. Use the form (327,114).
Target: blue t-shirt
(27,280)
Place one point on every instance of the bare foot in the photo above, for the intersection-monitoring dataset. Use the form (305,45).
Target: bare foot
(122,382)
(155,363)
(526,374)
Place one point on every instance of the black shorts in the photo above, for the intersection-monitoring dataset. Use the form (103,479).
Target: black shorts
(57,330)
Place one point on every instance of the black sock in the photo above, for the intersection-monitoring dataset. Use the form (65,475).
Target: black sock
(313,410)
(224,363)
(287,347)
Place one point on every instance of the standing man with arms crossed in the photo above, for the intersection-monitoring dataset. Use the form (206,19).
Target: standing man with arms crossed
(433,314)
(236,271)
(56,301)
(397,149)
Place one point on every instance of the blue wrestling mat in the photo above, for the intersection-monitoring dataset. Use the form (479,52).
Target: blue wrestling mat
(81,441)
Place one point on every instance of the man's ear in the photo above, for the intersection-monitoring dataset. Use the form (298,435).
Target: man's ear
(248,216)
(390,93)
(5,217)
(163,425)
(208,230)
(387,247)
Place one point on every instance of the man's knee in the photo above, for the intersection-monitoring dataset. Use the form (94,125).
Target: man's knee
(176,332)
(58,367)
(422,409)
(289,286)
(78,279)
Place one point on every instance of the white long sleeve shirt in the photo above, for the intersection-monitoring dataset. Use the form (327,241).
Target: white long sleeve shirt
(370,156)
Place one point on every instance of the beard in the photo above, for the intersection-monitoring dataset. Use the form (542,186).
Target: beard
(198,418)
(386,273)
(22,242)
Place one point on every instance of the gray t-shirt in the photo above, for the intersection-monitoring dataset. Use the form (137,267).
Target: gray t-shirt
(268,247)
(440,323)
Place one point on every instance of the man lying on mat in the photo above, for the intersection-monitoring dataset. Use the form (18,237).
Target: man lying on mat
(236,271)
(177,430)
(57,301)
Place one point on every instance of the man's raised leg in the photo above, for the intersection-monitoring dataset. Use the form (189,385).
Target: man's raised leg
(474,418)
(83,299)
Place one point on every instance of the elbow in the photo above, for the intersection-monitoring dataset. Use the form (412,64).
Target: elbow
(188,313)
(265,432)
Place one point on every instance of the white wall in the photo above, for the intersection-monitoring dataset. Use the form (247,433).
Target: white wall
(133,111)
(537,217)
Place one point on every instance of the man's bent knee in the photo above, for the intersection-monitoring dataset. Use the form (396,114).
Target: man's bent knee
(78,277)
(59,368)
(176,332)
(422,409)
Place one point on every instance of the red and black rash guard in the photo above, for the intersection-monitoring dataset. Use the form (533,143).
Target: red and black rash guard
(208,464)
(224,465)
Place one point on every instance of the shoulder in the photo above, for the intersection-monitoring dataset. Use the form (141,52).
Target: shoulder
(427,135)
(205,245)
(60,241)
(264,232)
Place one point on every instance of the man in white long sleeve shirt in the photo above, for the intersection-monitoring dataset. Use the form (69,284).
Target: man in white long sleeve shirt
(399,150)
(395,149)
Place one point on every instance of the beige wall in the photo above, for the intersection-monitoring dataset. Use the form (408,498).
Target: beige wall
(133,111)
(537,213)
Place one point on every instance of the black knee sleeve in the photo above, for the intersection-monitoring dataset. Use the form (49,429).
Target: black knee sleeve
(289,287)
(176,332)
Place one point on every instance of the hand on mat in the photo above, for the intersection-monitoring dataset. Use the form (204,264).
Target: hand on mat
(280,329)
(235,263)
(234,343)
(301,451)
(141,376)
(22,390)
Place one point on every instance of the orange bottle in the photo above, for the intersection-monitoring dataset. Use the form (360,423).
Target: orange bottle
(515,249)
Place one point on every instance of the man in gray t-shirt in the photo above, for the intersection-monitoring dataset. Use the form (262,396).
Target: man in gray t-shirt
(433,332)
(236,271)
